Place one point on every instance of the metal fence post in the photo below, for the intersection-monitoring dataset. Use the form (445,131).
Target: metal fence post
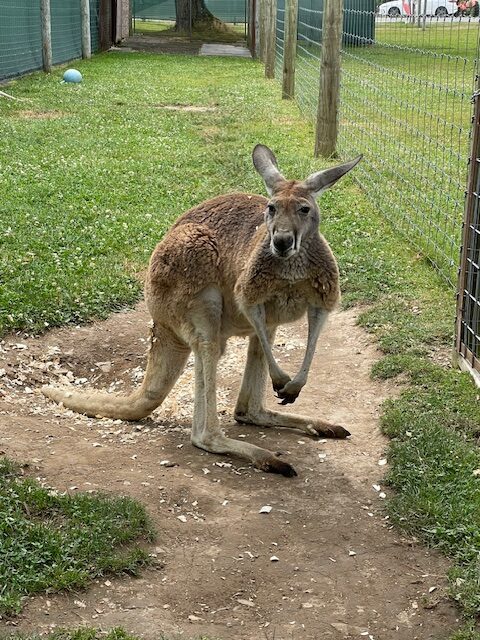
(329,91)
(86,37)
(46,35)
(290,49)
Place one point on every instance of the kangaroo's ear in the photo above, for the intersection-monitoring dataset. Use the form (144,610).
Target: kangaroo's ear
(266,165)
(322,180)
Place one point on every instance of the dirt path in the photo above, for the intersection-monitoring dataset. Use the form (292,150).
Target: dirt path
(342,571)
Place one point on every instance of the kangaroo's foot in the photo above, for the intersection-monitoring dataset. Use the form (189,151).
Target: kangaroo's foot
(261,458)
(314,427)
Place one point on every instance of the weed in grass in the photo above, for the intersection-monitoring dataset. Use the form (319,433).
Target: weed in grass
(52,541)
(467,632)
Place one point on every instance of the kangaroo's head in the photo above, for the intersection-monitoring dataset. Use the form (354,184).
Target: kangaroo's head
(292,212)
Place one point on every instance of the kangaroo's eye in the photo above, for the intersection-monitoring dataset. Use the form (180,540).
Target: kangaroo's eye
(304,209)
(271,208)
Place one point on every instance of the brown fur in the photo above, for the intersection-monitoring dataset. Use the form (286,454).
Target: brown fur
(215,275)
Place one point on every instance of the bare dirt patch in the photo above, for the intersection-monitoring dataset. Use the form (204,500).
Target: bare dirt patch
(193,108)
(342,571)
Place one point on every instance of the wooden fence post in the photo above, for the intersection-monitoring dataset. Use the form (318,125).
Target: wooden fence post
(252,27)
(261,29)
(86,38)
(329,91)
(270,37)
(290,49)
(46,35)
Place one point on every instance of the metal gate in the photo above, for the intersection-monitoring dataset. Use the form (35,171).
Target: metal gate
(468,304)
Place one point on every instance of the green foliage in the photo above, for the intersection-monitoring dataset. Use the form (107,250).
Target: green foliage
(52,541)
(467,632)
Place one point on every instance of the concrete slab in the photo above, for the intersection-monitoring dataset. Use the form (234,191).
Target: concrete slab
(224,50)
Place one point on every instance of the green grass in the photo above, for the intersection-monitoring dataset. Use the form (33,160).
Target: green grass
(468,632)
(152,27)
(51,541)
(164,28)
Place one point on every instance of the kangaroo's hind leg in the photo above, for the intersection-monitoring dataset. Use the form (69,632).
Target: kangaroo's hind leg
(166,360)
(251,409)
(206,431)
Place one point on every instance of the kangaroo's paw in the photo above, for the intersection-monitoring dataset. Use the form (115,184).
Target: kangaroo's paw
(290,392)
(280,382)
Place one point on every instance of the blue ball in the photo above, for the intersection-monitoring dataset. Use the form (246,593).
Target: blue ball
(72,75)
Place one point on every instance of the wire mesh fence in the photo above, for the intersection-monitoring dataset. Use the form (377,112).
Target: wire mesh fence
(21,37)
(280,38)
(408,72)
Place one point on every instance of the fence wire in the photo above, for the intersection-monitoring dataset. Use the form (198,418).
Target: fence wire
(21,37)
(406,86)
(280,38)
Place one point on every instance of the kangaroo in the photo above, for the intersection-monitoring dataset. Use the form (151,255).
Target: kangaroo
(235,265)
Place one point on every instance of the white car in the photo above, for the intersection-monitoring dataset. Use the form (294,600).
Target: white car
(397,8)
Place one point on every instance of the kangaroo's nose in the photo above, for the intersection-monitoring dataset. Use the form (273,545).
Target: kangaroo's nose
(283,242)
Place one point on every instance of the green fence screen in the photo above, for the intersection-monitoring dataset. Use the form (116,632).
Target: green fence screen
(21,39)
(226,10)
(358,20)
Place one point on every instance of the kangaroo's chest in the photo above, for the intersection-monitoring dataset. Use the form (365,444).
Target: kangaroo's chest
(287,304)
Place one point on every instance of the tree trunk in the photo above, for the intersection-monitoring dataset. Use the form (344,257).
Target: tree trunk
(200,14)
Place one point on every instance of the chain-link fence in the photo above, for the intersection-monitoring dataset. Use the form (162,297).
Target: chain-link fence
(232,11)
(407,79)
(21,37)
